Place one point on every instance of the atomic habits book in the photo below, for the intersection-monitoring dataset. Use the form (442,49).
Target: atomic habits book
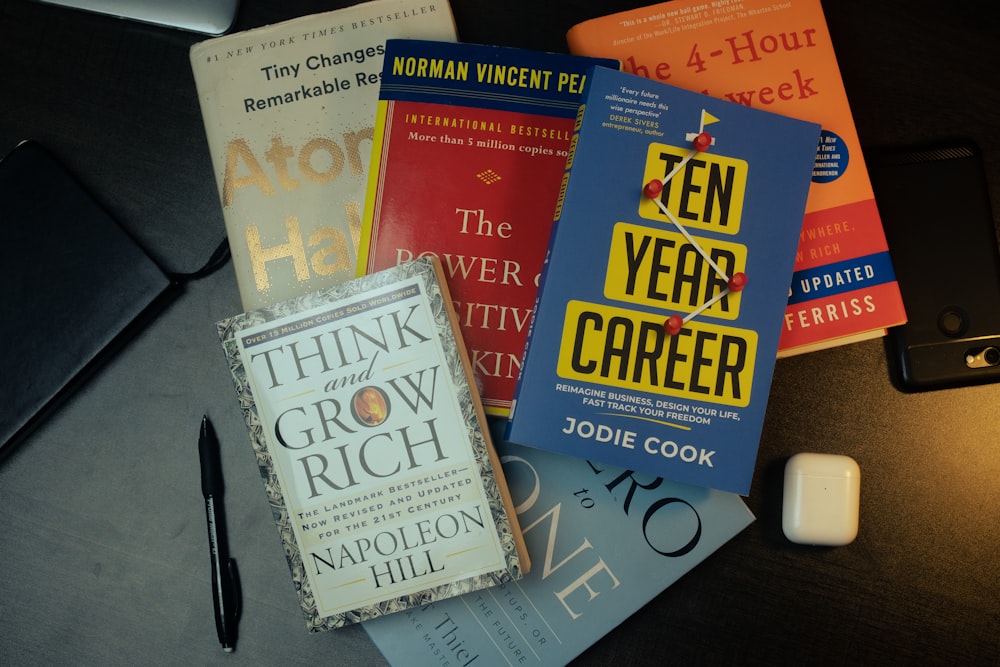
(373,446)
(611,540)
(470,146)
(288,111)
(659,312)
(778,57)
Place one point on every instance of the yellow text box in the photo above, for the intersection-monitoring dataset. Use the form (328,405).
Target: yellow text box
(631,350)
(707,192)
(660,268)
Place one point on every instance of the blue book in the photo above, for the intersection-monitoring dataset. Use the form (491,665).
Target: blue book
(603,542)
(661,300)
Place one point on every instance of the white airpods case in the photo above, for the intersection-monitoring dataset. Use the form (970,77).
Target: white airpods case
(821,500)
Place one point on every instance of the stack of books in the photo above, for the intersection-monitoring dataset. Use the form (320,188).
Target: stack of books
(511,317)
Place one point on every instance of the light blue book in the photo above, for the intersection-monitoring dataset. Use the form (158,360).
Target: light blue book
(603,542)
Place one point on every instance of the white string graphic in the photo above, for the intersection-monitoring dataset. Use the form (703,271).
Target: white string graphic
(652,190)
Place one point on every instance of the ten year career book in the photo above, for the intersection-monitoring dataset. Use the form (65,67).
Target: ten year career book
(656,331)
(605,541)
(778,56)
(288,111)
(470,147)
(373,446)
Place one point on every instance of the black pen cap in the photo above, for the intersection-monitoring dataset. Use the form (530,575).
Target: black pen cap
(211,465)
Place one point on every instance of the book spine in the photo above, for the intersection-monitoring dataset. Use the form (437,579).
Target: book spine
(524,563)
(376,181)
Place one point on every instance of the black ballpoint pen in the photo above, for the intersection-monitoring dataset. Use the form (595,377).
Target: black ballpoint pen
(225,583)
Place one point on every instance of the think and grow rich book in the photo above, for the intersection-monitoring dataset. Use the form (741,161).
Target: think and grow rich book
(659,311)
(470,146)
(605,541)
(373,446)
(288,111)
(778,57)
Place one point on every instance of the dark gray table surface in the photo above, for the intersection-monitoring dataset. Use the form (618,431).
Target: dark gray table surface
(103,549)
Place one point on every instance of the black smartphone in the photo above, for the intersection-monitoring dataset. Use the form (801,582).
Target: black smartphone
(935,207)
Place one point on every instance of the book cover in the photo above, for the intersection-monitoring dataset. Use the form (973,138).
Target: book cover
(288,111)
(373,446)
(74,287)
(778,57)
(605,542)
(470,147)
(655,335)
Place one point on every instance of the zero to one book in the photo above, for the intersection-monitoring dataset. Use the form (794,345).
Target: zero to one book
(610,540)
(372,446)
(659,312)
(288,111)
(778,56)
(470,146)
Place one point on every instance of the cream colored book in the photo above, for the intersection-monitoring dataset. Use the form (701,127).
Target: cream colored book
(289,112)
(372,443)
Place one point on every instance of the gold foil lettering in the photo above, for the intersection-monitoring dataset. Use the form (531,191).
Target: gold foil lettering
(236,149)
(336,160)
(337,248)
(293,249)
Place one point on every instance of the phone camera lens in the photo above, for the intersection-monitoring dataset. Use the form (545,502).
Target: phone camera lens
(983,357)
(953,321)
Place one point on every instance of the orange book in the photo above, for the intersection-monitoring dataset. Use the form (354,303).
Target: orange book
(778,57)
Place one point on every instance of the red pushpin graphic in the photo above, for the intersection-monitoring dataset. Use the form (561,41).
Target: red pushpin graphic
(673,324)
(702,142)
(738,282)
(653,189)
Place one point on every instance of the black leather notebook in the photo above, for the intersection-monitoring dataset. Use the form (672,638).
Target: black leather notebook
(73,286)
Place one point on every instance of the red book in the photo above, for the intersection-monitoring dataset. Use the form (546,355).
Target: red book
(470,148)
